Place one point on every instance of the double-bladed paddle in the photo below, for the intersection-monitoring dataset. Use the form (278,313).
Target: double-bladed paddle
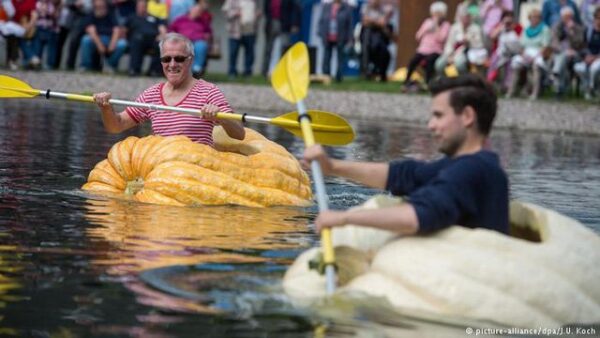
(290,81)
(330,129)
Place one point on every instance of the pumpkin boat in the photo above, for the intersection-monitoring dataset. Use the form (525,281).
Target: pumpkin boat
(174,170)
(545,274)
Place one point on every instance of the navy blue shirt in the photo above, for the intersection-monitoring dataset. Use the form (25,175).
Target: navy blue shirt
(469,190)
(104,25)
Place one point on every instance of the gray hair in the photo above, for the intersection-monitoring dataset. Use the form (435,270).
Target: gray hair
(438,7)
(176,37)
(566,10)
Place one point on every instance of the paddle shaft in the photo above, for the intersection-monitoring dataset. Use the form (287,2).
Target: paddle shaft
(86,98)
(317,174)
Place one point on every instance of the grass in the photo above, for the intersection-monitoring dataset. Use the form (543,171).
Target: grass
(355,84)
(359,84)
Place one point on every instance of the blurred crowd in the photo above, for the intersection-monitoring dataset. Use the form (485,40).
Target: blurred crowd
(557,49)
(99,32)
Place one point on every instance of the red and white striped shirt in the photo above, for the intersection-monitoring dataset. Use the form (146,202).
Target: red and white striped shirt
(168,123)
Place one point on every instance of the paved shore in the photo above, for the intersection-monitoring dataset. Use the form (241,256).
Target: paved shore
(547,115)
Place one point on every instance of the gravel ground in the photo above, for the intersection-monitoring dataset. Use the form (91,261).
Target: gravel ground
(548,115)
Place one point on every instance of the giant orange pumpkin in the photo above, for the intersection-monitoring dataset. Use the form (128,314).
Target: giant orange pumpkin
(176,171)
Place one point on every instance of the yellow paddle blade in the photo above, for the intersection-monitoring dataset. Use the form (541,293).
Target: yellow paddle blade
(14,88)
(290,76)
(328,128)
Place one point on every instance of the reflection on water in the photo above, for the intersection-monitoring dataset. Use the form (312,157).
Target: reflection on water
(143,236)
(70,263)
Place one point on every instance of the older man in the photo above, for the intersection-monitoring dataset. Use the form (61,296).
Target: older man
(568,42)
(180,90)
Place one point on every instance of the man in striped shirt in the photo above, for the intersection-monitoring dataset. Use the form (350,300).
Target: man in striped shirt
(180,90)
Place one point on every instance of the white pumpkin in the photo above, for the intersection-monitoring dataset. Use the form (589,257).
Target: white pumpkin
(475,273)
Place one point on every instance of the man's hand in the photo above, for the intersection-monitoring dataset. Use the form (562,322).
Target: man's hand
(102,99)
(101,49)
(589,59)
(317,153)
(330,219)
(209,112)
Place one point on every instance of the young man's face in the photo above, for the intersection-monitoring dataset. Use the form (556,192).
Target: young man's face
(449,129)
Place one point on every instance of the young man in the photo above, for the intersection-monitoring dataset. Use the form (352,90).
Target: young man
(466,187)
(180,90)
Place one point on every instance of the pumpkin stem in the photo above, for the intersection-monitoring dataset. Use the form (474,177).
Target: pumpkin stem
(134,186)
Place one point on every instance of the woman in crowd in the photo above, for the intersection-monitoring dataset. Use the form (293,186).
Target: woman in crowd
(431,37)
(505,38)
(535,54)
(196,26)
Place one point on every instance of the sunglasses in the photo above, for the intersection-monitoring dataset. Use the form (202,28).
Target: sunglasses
(178,58)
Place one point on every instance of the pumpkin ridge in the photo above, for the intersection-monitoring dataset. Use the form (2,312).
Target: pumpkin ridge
(174,170)
(200,177)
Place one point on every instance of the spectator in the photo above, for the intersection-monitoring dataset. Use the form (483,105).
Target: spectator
(282,20)
(587,9)
(335,30)
(102,39)
(491,13)
(46,35)
(143,33)
(463,47)
(375,38)
(123,10)
(589,69)
(469,6)
(506,44)
(177,8)
(242,19)
(11,31)
(568,42)
(25,17)
(431,37)
(75,22)
(158,9)
(196,27)
(535,54)
(551,11)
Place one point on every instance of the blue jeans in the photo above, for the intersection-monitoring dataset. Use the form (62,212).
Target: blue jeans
(26,46)
(329,47)
(46,38)
(200,53)
(247,42)
(88,49)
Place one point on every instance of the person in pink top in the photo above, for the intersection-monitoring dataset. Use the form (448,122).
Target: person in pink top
(491,13)
(180,90)
(196,26)
(431,36)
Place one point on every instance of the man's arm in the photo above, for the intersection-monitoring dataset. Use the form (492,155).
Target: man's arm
(113,122)
(401,219)
(91,31)
(370,174)
(233,128)
(116,33)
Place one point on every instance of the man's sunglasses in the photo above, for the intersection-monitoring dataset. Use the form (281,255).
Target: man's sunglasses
(178,58)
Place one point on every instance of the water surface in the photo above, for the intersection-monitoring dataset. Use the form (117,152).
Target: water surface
(70,262)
